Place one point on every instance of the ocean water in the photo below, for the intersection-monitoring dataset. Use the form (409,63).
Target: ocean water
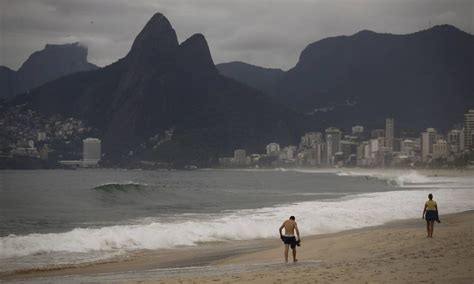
(60,217)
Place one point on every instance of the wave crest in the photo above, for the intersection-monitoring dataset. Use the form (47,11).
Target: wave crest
(124,187)
(393,178)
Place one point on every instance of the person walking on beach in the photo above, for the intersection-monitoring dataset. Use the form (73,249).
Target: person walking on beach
(289,238)
(430,213)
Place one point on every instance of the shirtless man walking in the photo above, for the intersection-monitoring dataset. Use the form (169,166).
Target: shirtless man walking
(289,238)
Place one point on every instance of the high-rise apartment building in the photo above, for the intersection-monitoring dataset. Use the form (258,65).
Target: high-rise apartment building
(389,132)
(333,143)
(469,130)
(456,140)
(428,138)
(311,139)
(91,150)
(240,157)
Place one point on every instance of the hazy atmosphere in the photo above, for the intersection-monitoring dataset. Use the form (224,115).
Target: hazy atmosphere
(265,33)
(236,141)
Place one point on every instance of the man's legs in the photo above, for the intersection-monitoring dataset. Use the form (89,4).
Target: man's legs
(286,252)
(294,254)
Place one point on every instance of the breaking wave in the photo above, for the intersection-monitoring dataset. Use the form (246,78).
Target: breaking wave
(314,217)
(411,179)
(124,187)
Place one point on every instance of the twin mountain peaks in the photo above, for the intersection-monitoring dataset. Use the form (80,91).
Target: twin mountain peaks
(161,85)
(421,79)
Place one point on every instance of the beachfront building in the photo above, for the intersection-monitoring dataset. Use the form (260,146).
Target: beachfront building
(397,144)
(456,140)
(288,153)
(311,156)
(469,130)
(311,139)
(441,149)
(273,149)
(408,147)
(333,143)
(389,132)
(91,151)
(374,147)
(428,139)
(240,157)
(363,155)
(348,148)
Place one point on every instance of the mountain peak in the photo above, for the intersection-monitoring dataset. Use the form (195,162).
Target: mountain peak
(65,45)
(365,33)
(195,54)
(158,21)
(67,51)
(156,40)
(445,29)
(52,62)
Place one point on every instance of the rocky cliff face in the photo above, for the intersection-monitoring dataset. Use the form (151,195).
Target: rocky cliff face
(52,62)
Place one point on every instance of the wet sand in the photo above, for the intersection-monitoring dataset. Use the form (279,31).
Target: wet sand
(398,252)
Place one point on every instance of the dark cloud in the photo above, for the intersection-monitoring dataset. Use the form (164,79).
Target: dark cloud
(262,32)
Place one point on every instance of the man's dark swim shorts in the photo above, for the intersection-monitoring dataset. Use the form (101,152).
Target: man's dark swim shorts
(289,241)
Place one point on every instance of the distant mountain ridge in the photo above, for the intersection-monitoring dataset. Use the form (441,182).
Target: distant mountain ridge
(54,61)
(161,85)
(422,79)
(263,79)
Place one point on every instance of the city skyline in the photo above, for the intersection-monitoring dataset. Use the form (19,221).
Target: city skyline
(382,148)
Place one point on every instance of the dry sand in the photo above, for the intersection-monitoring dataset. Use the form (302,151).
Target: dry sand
(398,252)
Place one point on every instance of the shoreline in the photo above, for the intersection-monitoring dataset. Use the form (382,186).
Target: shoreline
(446,172)
(392,252)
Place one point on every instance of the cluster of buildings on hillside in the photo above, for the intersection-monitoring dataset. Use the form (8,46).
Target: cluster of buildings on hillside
(25,133)
(378,148)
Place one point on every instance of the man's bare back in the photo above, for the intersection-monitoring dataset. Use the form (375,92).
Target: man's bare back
(290,226)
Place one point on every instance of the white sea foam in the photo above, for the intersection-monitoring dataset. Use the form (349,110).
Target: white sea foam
(411,178)
(314,217)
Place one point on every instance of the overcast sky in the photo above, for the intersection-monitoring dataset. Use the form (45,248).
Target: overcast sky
(269,33)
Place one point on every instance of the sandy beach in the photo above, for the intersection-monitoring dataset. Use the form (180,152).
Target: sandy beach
(398,252)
